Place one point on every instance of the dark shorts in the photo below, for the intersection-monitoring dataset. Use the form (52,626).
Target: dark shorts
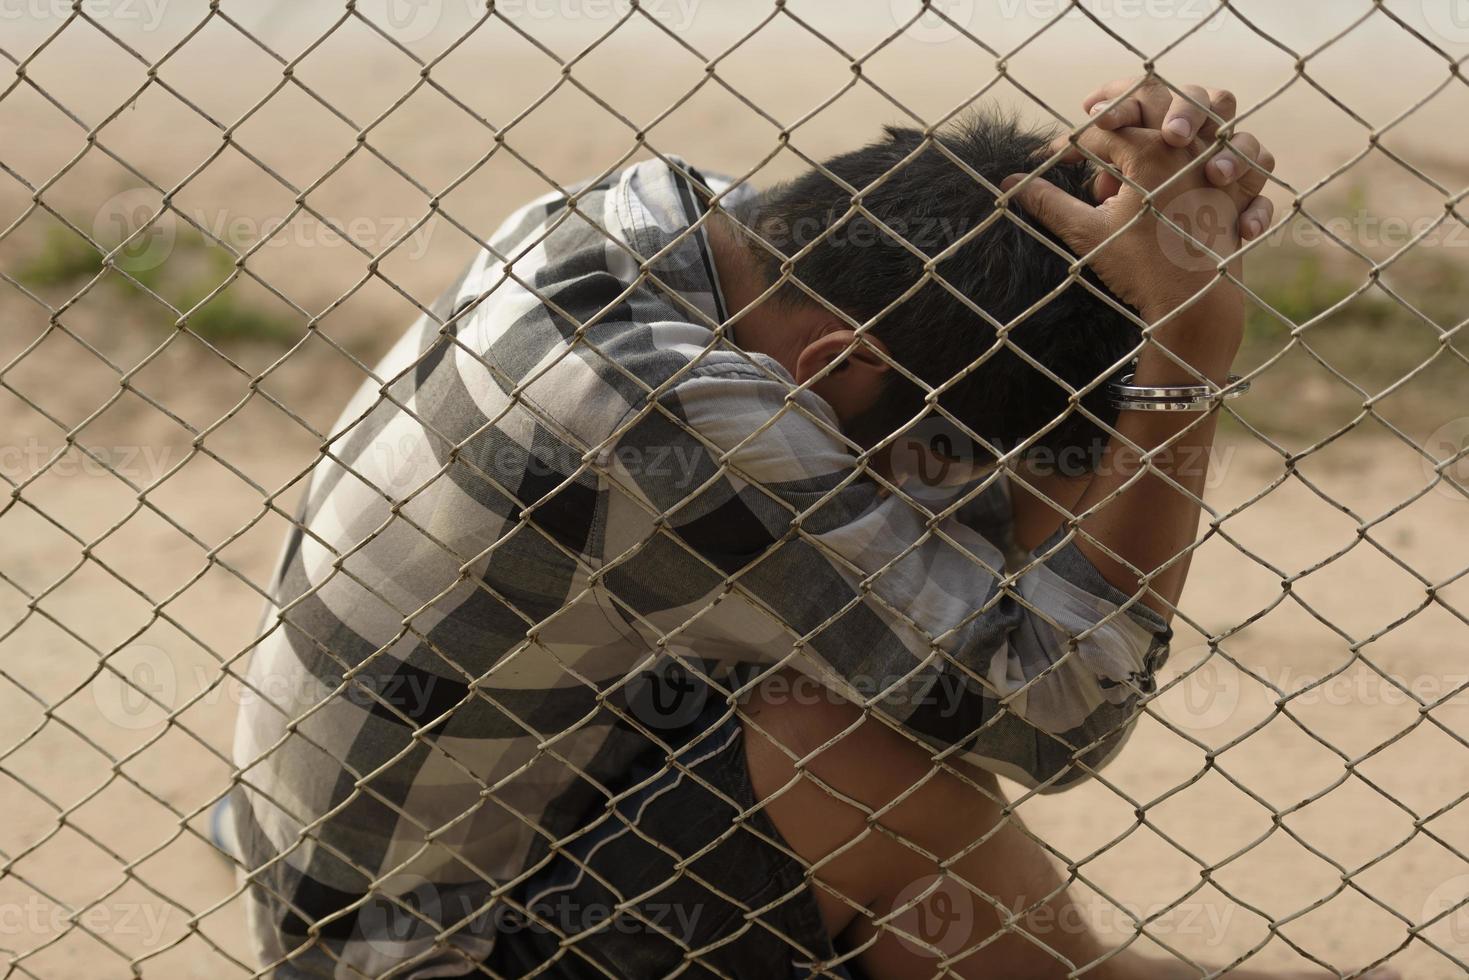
(715,897)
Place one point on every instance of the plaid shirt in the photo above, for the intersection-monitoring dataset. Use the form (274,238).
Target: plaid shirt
(567,511)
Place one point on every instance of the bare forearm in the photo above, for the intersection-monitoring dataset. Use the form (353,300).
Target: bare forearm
(1152,521)
(1041,497)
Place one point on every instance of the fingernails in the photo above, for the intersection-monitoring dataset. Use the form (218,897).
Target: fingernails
(1253,227)
(1180,128)
(1011,181)
(1224,167)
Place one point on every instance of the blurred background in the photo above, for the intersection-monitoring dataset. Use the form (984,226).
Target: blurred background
(294,182)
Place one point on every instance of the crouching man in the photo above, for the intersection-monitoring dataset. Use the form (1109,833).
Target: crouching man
(660,462)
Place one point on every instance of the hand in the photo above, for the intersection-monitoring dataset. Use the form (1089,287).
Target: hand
(1149,264)
(1181,118)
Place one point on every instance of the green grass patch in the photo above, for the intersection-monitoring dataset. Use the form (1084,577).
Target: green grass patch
(192,269)
(1369,339)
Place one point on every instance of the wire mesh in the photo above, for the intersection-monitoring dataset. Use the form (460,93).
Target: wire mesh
(137,719)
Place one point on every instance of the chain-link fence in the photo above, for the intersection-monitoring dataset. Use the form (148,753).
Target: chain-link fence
(218,219)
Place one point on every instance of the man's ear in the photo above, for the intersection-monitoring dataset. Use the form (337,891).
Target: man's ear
(861,364)
(855,379)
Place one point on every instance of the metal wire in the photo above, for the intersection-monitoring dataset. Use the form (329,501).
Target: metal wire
(130,867)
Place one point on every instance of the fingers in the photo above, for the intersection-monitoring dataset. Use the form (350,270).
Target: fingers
(1234,164)
(1105,186)
(1109,146)
(1258,176)
(1193,111)
(1119,114)
(1127,150)
(1114,89)
(1244,169)
(1072,220)
(1256,218)
(1186,115)
(1229,164)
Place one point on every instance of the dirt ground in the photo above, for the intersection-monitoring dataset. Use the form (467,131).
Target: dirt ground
(1337,695)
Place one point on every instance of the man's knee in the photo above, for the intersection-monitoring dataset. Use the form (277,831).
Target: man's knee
(827,774)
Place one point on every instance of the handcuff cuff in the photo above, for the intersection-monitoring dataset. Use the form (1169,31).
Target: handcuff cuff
(1125,395)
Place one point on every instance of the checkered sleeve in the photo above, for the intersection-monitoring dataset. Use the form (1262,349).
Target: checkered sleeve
(775,548)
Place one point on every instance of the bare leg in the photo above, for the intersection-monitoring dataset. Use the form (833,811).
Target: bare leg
(852,806)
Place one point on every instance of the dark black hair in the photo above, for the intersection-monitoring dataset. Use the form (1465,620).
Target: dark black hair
(1003,270)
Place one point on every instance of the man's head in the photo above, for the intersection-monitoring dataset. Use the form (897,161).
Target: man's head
(1005,270)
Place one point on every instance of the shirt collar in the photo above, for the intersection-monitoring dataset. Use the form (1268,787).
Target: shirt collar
(659,200)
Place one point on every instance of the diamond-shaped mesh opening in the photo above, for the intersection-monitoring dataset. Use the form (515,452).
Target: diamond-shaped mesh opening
(479,650)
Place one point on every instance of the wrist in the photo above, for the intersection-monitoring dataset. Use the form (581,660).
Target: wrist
(1206,336)
(1221,298)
